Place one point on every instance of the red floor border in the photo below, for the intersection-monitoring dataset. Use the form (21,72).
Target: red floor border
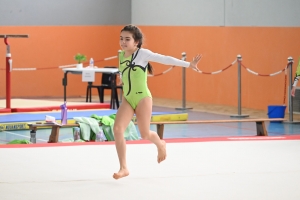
(70,107)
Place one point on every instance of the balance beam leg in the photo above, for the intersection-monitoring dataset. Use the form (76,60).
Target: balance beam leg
(160,130)
(54,134)
(261,129)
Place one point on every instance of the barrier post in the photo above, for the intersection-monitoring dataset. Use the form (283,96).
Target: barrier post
(239,115)
(290,98)
(8,64)
(291,108)
(183,86)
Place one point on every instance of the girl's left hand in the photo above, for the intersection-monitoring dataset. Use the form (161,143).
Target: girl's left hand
(195,61)
(119,82)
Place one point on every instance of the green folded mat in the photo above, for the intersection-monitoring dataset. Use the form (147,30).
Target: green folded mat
(19,142)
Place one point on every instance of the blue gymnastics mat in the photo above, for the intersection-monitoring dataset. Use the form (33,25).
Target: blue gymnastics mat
(38,116)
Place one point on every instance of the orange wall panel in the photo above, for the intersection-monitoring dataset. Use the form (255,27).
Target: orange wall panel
(264,50)
(52,46)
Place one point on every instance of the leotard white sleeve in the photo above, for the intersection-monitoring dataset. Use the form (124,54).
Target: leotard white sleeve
(149,56)
(296,79)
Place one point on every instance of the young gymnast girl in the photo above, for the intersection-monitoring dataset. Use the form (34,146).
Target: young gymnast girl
(134,66)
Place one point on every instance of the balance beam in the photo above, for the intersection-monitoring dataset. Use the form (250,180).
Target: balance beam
(260,126)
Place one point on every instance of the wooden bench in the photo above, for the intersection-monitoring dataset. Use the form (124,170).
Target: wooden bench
(260,126)
(53,138)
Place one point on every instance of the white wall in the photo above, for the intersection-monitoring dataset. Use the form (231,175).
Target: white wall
(216,12)
(64,12)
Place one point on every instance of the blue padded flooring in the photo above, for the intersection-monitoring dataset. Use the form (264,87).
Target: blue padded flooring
(38,116)
(178,131)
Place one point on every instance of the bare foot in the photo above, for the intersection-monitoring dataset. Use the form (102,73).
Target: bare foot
(122,173)
(162,153)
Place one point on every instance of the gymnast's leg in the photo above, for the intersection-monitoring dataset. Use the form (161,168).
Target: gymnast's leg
(143,113)
(123,117)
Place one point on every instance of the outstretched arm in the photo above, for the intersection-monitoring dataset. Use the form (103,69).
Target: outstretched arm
(159,58)
(168,60)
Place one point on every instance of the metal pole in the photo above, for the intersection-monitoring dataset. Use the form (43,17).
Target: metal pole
(183,81)
(290,98)
(291,109)
(239,115)
(64,82)
(8,70)
(183,85)
(239,57)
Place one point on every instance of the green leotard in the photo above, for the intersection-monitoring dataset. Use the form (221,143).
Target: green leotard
(134,80)
(134,71)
